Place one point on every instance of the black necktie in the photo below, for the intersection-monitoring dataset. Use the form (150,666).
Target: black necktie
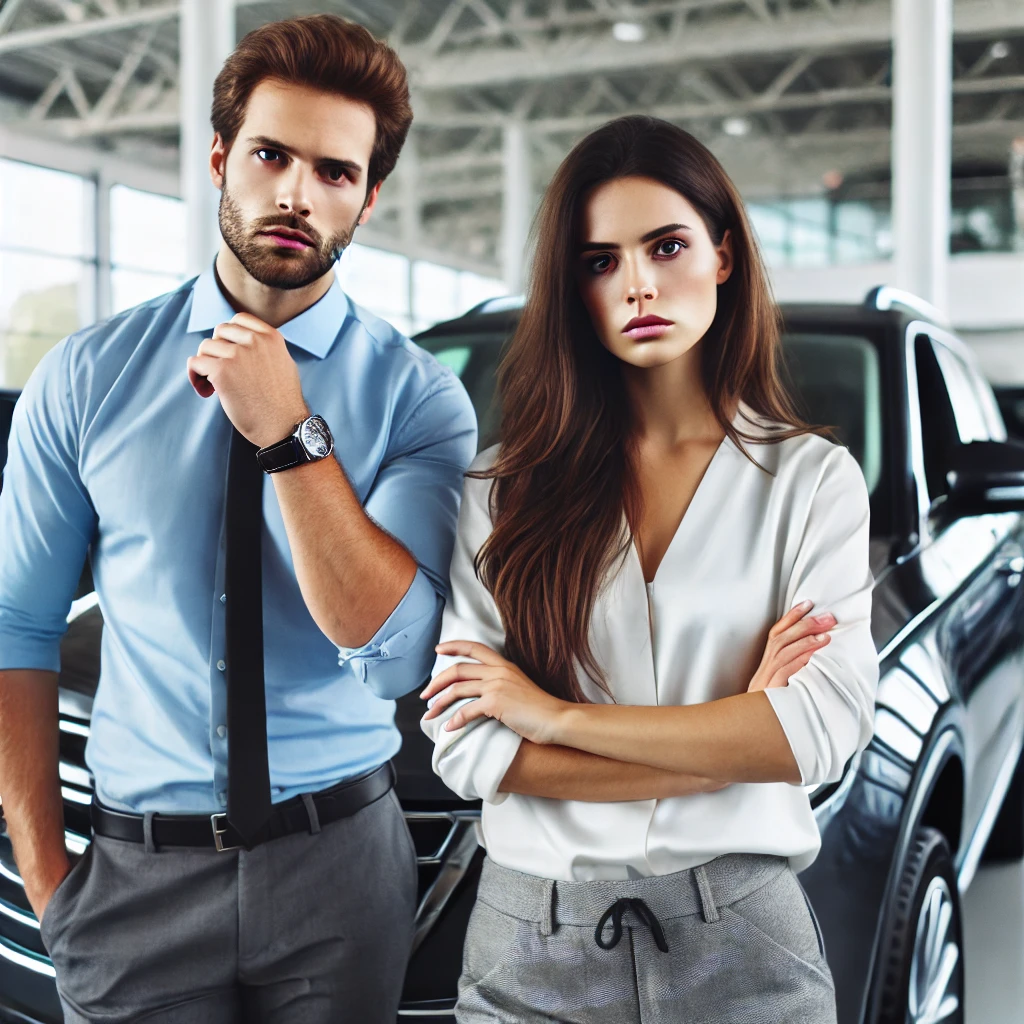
(248,771)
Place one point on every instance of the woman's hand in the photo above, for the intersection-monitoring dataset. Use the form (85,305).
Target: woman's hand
(504,693)
(791,642)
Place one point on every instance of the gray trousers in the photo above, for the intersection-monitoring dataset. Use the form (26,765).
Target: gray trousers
(311,928)
(741,942)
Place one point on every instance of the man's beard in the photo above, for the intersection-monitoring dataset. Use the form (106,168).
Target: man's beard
(276,266)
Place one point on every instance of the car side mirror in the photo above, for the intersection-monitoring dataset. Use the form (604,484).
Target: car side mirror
(987,476)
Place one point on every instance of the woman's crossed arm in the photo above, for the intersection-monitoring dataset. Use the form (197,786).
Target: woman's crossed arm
(614,752)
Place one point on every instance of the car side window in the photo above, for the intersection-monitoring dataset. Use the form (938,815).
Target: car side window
(970,416)
(989,406)
(940,434)
(952,410)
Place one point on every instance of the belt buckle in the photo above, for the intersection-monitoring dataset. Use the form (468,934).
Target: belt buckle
(219,833)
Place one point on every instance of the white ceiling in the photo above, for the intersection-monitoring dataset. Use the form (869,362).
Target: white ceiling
(782,90)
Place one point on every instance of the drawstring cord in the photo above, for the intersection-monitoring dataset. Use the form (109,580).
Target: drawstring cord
(614,914)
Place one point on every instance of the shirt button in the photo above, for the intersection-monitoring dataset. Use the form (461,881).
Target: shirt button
(223,598)
(222,798)
(222,731)
(221,665)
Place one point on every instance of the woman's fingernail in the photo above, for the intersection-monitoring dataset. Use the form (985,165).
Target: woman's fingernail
(805,606)
(825,617)
(819,638)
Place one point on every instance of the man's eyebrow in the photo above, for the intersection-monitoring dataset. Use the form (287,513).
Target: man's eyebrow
(265,140)
(649,237)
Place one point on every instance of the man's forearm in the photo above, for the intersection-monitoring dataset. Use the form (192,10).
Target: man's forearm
(562,773)
(30,780)
(733,739)
(351,573)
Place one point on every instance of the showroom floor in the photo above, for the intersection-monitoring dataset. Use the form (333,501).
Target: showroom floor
(994,926)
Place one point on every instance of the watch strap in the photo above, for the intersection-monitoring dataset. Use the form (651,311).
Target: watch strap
(283,455)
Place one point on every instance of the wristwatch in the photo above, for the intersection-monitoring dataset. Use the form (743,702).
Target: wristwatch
(310,441)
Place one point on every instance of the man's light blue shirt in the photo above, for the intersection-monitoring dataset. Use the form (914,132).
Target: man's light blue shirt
(113,453)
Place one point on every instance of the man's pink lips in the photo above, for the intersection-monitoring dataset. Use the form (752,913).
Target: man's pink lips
(289,237)
(649,326)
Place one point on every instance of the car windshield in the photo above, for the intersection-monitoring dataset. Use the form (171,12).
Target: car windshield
(836,381)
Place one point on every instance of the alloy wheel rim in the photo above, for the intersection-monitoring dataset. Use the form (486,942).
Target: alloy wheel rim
(934,983)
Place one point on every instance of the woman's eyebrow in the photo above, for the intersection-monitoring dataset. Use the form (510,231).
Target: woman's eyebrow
(652,235)
(649,237)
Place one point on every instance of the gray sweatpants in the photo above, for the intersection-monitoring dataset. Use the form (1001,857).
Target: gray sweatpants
(743,947)
(311,928)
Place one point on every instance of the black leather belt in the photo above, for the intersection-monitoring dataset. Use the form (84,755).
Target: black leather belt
(214,830)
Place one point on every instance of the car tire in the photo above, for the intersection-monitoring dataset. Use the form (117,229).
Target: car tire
(918,975)
(1006,840)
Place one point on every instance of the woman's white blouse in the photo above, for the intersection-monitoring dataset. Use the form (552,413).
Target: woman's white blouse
(751,545)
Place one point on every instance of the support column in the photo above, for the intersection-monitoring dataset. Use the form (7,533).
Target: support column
(1017,191)
(408,173)
(921,145)
(101,228)
(207,36)
(516,206)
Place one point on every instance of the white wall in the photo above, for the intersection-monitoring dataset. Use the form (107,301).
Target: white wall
(986,301)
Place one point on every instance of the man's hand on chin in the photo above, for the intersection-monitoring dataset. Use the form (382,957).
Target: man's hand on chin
(248,364)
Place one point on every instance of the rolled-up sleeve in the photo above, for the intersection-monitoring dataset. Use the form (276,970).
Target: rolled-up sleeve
(827,709)
(46,519)
(415,498)
(471,761)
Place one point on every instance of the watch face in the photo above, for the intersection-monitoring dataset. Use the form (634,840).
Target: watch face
(316,437)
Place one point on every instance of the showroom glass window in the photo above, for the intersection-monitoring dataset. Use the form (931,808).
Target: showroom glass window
(147,246)
(411,294)
(47,263)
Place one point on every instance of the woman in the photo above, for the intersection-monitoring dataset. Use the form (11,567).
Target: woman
(610,682)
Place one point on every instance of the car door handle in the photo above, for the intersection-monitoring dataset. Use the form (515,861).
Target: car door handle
(1012,566)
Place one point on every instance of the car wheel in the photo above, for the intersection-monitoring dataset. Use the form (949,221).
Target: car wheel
(1006,840)
(923,979)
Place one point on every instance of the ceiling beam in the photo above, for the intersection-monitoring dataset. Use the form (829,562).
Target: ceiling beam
(167,117)
(752,104)
(66,31)
(846,28)
(7,13)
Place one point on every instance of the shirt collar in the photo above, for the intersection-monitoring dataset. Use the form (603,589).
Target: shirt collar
(313,330)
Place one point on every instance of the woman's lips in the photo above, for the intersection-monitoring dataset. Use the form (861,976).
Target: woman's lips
(644,331)
(642,327)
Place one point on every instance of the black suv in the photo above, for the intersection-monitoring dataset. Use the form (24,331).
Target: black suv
(939,786)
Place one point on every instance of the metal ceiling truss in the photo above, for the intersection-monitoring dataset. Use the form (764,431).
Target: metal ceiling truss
(777,87)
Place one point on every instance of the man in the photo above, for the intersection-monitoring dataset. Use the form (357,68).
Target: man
(250,860)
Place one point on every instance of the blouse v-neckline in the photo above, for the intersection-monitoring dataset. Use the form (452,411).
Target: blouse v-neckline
(715,458)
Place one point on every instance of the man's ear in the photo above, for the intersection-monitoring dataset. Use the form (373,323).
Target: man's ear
(725,260)
(218,161)
(371,202)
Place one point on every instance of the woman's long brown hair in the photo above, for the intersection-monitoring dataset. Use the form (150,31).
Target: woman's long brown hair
(565,472)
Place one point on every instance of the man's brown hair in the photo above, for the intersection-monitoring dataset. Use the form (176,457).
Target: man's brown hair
(325,52)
